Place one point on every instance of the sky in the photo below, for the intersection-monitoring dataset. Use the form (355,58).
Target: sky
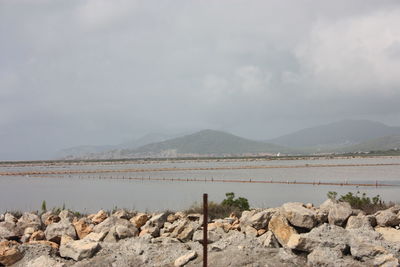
(95,72)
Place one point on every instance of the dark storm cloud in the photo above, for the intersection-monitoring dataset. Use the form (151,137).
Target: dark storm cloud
(100,72)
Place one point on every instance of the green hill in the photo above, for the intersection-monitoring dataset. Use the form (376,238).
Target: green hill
(209,142)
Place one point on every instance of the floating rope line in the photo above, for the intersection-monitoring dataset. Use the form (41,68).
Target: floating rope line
(216,180)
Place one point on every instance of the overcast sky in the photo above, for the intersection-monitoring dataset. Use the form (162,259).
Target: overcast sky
(103,72)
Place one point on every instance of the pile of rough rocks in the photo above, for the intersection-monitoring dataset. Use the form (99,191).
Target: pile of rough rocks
(295,234)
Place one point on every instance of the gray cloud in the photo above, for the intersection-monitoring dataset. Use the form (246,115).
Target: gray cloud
(100,72)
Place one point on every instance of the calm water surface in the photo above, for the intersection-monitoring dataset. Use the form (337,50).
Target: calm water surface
(90,192)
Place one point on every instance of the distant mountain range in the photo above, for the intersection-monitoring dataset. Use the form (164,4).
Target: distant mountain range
(338,137)
(342,133)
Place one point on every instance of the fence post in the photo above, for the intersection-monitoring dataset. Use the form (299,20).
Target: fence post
(205,225)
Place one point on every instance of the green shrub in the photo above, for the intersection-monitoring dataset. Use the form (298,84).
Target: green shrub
(361,201)
(223,209)
(240,203)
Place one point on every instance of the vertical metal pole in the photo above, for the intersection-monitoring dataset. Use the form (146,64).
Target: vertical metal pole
(205,224)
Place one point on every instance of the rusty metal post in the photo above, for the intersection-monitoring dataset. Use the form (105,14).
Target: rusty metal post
(205,224)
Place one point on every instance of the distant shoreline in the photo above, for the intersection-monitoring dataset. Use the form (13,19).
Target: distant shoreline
(199,159)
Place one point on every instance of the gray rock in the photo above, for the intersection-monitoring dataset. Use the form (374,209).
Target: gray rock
(186,233)
(126,231)
(328,257)
(79,249)
(66,215)
(339,213)
(111,222)
(8,230)
(250,231)
(256,219)
(326,235)
(96,237)
(182,260)
(364,251)
(29,220)
(54,231)
(112,236)
(159,219)
(8,217)
(269,240)
(387,218)
(122,214)
(2,217)
(298,215)
(44,261)
(355,222)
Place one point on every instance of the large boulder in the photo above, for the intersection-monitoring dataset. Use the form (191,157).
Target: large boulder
(8,230)
(298,215)
(389,234)
(269,240)
(387,218)
(256,218)
(83,227)
(339,213)
(326,235)
(54,231)
(78,249)
(29,220)
(361,221)
(9,253)
(281,228)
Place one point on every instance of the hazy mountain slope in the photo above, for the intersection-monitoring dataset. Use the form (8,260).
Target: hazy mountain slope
(336,134)
(90,151)
(210,142)
(377,144)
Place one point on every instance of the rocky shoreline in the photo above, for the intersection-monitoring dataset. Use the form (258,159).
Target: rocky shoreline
(294,234)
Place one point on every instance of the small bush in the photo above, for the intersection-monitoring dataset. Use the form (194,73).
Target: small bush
(224,209)
(361,201)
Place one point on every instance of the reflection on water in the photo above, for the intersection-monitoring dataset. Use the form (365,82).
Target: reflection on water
(86,192)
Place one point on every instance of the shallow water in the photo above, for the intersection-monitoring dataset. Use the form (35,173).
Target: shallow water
(90,192)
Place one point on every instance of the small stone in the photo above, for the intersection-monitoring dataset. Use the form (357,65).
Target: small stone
(182,260)
(66,215)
